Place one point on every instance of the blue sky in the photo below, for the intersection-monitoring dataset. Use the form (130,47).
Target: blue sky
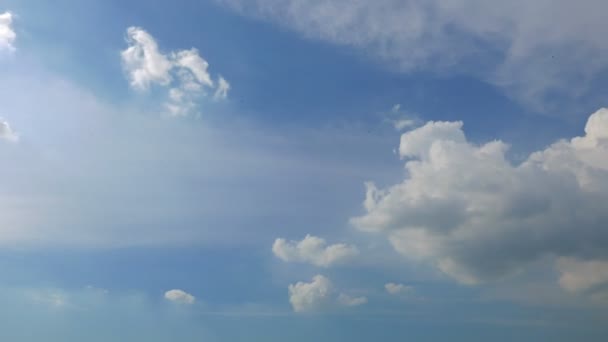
(235,170)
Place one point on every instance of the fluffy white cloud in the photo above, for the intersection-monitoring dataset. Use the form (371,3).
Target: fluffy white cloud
(143,60)
(319,294)
(7,133)
(7,35)
(398,289)
(185,71)
(513,44)
(473,214)
(310,296)
(313,250)
(180,297)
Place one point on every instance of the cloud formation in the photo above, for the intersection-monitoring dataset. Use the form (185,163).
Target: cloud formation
(313,250)
(185,72)
(512,44)
(7,133)
(318,295)
(179,297)
(473,214)
(398,289)
(7,34)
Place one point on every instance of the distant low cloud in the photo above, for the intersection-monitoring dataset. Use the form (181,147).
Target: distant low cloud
(468,211)
(7,133)
(319,295)
(398,289)
(346,300)
(184,72)
(180,297)
(7,34)
(313,250)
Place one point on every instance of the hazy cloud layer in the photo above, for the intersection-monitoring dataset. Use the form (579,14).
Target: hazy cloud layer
(515,45)
(473,214)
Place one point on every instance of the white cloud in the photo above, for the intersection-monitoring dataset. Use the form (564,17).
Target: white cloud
(515,44)
(222,89)
(398,289)
(310,296)
(470,212)
(143,60)
(399,118)
(313,250)
(184,71)
(192,61)
(7,34)
(346,300)
(318,295)
(402,124)
(7,133)
(180,297)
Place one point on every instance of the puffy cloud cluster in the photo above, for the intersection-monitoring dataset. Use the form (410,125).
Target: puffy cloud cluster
(473,214)
(7,34)
(313,250)
(184,71)
(179,296)
(512,44)
(319,294)
(7,133)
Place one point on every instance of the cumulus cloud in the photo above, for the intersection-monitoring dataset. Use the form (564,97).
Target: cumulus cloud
(474,215)
(185,72)
(512,44)
(313,250)
(398,289)
(318,295)
(6,132)
(7,34)
(180,297)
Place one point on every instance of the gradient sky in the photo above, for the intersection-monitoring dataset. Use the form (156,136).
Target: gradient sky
(272,170)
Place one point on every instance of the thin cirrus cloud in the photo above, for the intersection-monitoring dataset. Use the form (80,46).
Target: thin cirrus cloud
(514,45)
(7,34)
(313,250)
(319,295)
(477,217)
(184,72)
(180,297)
